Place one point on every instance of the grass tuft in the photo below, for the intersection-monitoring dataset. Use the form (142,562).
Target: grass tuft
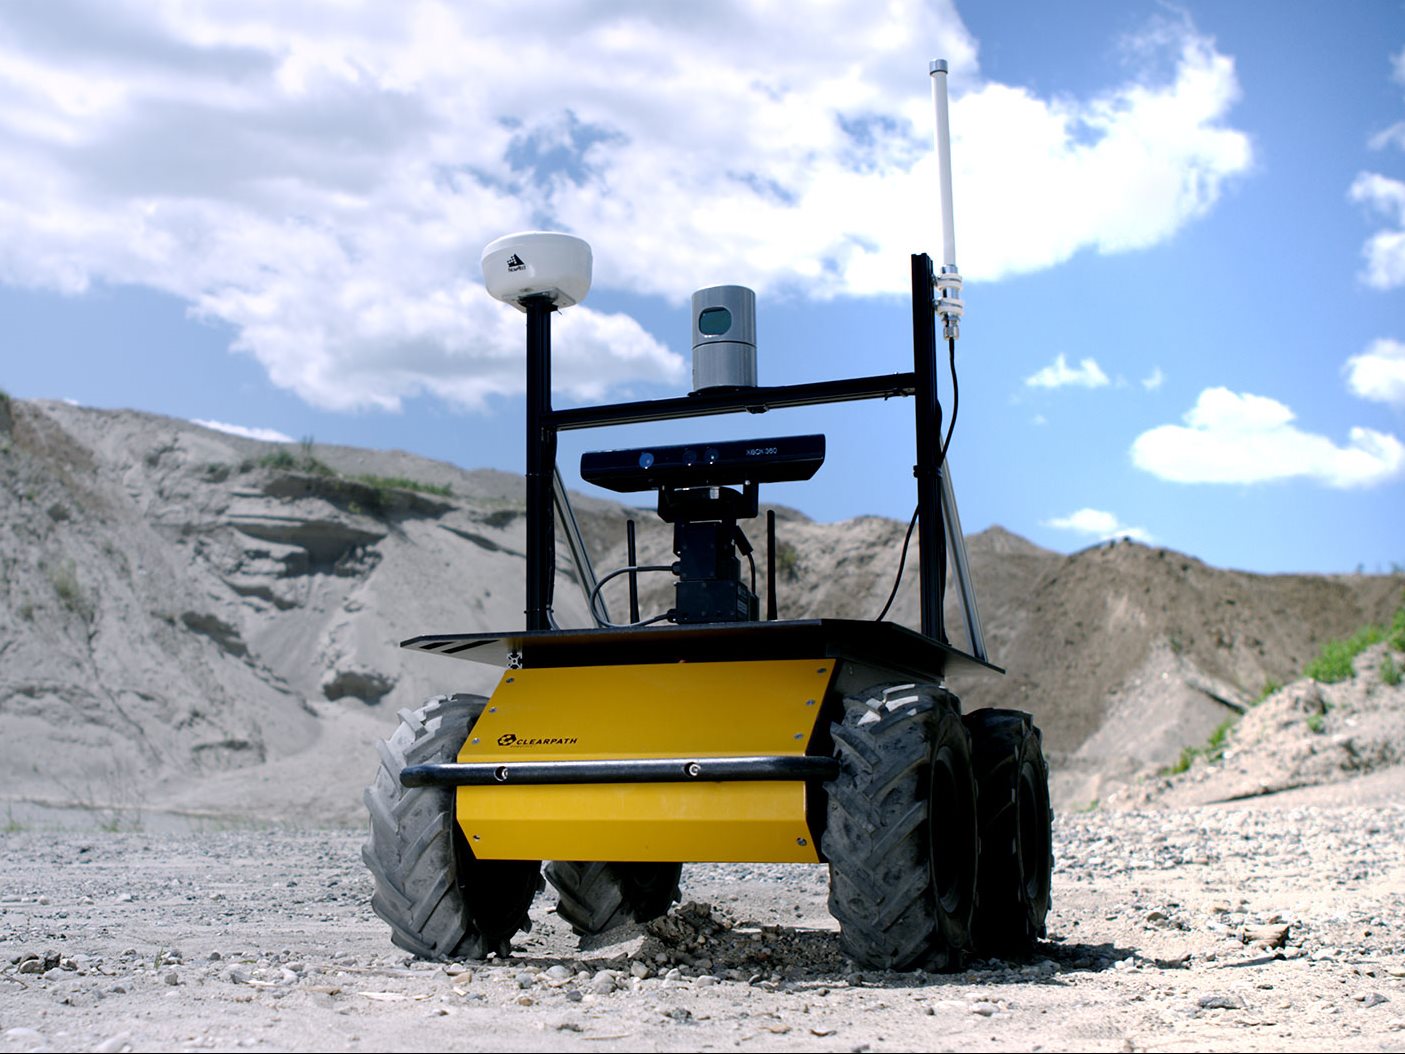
(302,459)
(1396,634)
(64,578)
(1270,686)
(286,461)
(442,490)
(1212,751)
(1334,662)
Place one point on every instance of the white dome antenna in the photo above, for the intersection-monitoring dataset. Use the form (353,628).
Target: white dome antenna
(537,264)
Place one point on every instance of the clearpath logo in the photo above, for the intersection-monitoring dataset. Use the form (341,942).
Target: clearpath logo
(510,739)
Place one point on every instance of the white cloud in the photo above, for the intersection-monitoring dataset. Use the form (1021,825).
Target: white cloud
(322,178)
(268,435)
(1096,523)
(1395,134)
(1060,374)
(1379,372)
(1154,380)
(1384,250)
(1392,136)
(1233,437)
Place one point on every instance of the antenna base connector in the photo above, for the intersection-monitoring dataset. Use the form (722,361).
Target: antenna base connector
(948,303)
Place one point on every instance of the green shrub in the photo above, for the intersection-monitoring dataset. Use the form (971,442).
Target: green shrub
(64,579)
(1390,673)
(1316,722)
(1182,763)
(281,459)
(787,561)
(1334,661)
(442,490)
(1396,634)
(1212,751)
(285,460)
(1215,747)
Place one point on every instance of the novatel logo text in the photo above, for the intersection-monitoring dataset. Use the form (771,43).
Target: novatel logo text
(514,263)
(509,739)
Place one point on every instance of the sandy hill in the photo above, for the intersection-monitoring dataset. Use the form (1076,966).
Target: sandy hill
(199,622)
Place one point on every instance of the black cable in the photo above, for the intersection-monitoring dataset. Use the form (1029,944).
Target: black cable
(955,401)
(902,560)
(595,596)
(941,461)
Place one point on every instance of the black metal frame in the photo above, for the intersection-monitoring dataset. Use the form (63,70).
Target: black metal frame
(898,652)
(544,423)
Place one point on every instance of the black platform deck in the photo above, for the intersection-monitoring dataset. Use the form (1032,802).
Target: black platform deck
(884,645)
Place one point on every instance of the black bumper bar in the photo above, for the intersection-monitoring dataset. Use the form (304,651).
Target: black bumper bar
(647,770)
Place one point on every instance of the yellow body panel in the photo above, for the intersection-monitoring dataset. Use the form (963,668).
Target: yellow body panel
(674,710)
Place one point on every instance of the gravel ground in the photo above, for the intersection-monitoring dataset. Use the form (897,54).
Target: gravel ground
(1243,928)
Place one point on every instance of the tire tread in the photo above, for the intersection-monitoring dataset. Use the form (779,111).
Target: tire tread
(877,833)
(420,891)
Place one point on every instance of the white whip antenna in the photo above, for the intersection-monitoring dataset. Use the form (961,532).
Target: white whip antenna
(948,282)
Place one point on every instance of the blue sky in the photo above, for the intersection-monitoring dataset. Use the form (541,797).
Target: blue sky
(1182,229)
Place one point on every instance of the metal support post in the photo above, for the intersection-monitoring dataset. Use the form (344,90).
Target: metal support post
(541,464)
(931,534)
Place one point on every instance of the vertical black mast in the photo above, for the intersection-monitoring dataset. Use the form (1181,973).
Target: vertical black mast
(541,461)
(931,532)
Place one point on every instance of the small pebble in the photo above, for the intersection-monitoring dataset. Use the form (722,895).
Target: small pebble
(1220,1001)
